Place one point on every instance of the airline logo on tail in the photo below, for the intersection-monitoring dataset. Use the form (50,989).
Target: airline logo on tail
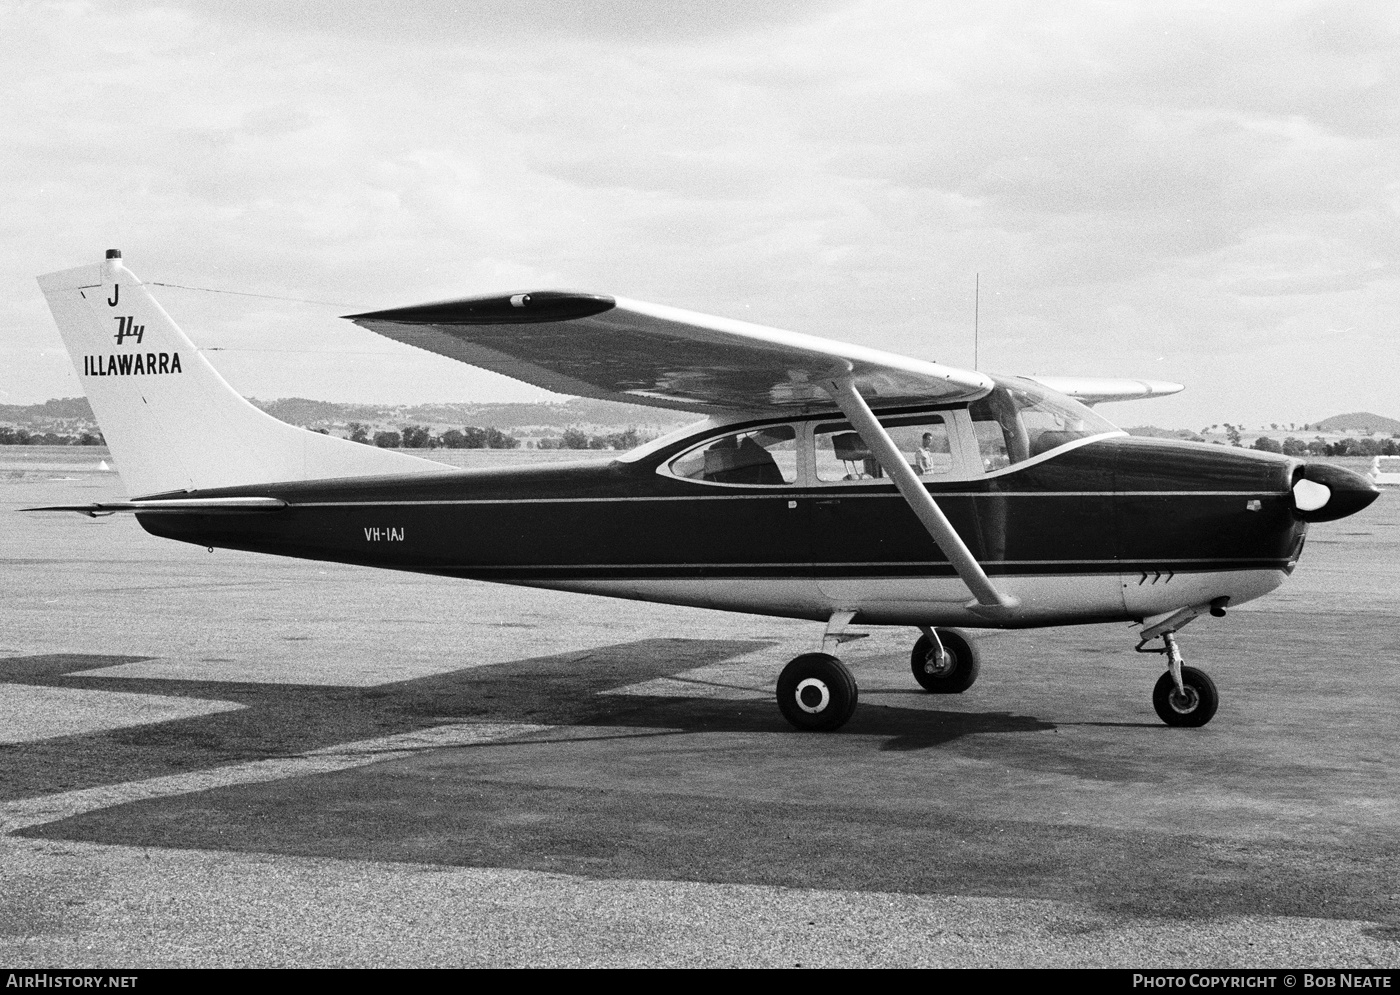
(128,364)
(127,327)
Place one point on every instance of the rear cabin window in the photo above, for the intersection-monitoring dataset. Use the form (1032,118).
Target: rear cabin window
(765,456)
(842,454)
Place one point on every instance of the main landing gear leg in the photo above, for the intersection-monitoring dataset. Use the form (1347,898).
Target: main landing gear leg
(1184,696)
(816,692)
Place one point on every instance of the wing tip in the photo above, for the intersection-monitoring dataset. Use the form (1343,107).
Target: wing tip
(1096,390)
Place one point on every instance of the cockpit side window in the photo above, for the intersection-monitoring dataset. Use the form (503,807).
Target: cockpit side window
(841,454)
(765,457)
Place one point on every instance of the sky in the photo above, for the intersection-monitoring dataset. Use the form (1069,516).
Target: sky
(1200,192)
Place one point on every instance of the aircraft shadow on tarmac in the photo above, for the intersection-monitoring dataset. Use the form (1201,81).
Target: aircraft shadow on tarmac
(476,809)
(280,720)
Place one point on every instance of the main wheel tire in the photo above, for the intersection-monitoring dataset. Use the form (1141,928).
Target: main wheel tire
(955,673)
(816,693)
(1195,708)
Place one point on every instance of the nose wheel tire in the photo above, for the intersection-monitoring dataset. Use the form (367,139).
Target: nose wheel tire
(1193,707)
(816,693)
(953,671)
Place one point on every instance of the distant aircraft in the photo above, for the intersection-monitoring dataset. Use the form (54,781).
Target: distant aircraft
(828,481)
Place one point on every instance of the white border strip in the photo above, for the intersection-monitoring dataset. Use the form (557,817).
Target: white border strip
(26,812)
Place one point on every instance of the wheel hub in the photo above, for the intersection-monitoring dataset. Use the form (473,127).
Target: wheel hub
(1184,701)
(813,696)
(939,664)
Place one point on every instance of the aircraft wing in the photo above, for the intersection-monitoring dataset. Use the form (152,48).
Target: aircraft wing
(1092,390)
(615,349)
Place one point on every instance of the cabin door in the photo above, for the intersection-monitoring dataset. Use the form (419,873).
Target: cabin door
(866,542)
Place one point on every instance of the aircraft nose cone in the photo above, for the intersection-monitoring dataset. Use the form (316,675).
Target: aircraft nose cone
(1324,493)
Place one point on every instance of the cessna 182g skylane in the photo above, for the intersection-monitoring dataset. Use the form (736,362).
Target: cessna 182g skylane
(828,481)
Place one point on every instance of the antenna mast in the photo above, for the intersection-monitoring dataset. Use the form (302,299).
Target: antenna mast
(976,307)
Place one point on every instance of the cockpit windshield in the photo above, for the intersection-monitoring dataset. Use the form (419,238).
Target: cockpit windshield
(1020,419)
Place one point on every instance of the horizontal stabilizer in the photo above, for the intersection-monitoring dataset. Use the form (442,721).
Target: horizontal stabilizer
(1094,390)
(590,345)
(176,506)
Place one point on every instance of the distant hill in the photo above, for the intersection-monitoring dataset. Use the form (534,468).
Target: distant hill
(75,414)
(1359,421)
(580,412)
(57,409)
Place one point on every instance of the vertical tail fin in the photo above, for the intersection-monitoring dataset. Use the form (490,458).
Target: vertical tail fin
(172,422)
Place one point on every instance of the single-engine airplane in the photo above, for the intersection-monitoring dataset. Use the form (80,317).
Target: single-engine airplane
(828,481)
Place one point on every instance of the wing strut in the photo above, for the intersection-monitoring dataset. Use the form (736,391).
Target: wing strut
(855,409)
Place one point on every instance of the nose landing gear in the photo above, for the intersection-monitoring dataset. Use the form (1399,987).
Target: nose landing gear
(1193,704)
(1184,696)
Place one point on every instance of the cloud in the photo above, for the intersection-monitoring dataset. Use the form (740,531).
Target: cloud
(1132,180)
(519,21)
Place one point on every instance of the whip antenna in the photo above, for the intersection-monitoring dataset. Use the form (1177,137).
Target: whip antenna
(976,306)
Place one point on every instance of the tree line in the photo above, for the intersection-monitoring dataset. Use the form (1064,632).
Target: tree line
(490,437)
(1292,446)
(421,437)
(574,438)
(410,437)
(23,437)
